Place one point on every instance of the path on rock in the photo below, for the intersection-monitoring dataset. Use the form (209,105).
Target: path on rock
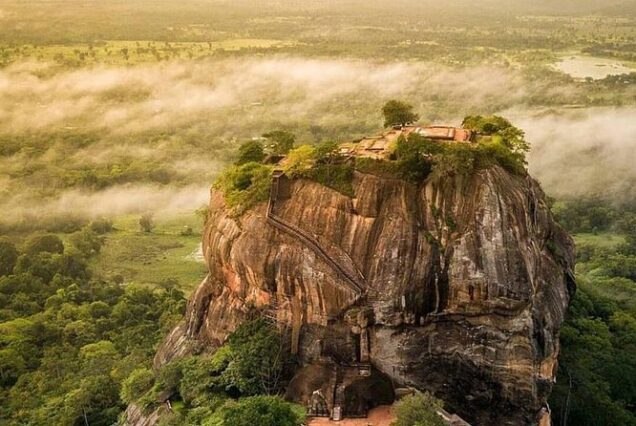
(336,262)
(380,416)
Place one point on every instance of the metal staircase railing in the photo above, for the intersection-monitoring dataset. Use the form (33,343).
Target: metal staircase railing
(353,283)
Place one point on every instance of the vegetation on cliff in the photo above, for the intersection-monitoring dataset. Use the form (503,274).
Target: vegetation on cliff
(226,388)
(418,410)
(414,158)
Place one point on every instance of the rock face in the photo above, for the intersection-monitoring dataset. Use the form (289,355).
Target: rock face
(462,285)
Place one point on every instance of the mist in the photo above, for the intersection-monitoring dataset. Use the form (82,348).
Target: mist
(128,100)
(584,153)
(189,117)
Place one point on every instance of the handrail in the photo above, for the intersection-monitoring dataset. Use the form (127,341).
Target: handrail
(281,224)
(291,229)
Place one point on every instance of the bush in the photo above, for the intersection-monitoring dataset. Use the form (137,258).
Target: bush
(414,157)
(146,223)
(338,177)
(281,141)
(245,185)
(48,243)
(418,410)
(299,160)
(101,226)
(380,168)
(256,357)
(250,152)
(507,144)
(136,385)
(87,242)
(249,363)
(261,411)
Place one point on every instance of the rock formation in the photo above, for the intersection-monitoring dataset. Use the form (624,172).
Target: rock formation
(457,286)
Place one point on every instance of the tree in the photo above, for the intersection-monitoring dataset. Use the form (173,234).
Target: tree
(11,366)
(495,125)
(146,223)
(262,411)
(137,383)
(413,157)
(87,242)
(257,357)
(398,113)
(282,141)
(418,410)
(299,160)
(101,226)
(48,243)
(327,153)
(250,151)
(8,257)
(243,186)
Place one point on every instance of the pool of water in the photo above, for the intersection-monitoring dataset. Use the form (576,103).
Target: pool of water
(589,66)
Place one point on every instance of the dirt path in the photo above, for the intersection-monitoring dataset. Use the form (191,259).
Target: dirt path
(380,416)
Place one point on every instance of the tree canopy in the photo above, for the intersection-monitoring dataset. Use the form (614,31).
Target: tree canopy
(418,410)
(398,113)
(282,141)
(251,151)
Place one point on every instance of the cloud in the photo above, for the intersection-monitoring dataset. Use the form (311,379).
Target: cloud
(584,153)
(118,200)
(156,96)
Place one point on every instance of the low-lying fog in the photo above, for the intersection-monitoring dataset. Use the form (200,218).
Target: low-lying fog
(197,112)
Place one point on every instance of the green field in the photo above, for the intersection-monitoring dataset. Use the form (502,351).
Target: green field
(151,258)
(605,240)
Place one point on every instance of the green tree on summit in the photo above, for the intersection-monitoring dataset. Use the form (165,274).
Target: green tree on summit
(251,151)
(398,113)
(282,141)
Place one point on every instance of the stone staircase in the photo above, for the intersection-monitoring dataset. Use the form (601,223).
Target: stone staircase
(336,259)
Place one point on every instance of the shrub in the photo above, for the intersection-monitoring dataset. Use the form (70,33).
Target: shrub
(251,151)
(418,410)
(262,411)
(506,146)
(101,226)
(338,177)
(87,242)
(245,185)
(256,356)
(39,243)
(380,168)
(282,141)
(455,159)
(299,160)
(146,223)
(414,157)
(136,385)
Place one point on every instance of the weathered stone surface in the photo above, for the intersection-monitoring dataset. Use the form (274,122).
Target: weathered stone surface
(135,415)
(467,282)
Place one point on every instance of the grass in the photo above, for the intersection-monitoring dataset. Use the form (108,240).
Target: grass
(605,240)
(150,258)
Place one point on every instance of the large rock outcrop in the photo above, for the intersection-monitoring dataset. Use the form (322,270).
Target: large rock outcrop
(464,283)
